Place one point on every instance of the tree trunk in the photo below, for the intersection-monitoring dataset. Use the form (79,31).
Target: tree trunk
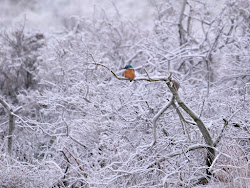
(11,129)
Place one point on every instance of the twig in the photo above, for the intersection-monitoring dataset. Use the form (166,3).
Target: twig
(221,133)
(147,73)
(208,74)
(67,126)
(224,127)
(67,167)
(77,142)
(183,120)
(202,107)
(5,105)
(77,162)
(175,153)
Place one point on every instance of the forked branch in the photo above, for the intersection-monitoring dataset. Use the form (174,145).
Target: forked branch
(195,117)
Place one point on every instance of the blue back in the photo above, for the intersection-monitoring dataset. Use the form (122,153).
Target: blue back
(129,67)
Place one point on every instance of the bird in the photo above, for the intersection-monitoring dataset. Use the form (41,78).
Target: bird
(129,72)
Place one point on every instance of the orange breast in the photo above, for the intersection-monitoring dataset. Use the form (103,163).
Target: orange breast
(129,74)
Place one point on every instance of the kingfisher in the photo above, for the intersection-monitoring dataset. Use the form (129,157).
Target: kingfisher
(129,72)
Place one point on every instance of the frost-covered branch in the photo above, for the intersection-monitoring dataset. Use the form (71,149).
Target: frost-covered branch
(206,135)
(11,122)
(180,152)
(224,127)
(136,79)
(156,117)
(181,116)
(216,142)
(181,29)
(195,117)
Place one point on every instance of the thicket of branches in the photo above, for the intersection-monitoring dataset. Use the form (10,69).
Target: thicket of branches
(69,119)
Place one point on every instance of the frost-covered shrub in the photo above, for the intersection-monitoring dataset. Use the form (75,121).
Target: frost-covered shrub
(15,174)
(19,53)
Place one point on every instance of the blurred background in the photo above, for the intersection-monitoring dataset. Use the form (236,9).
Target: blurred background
(49,15)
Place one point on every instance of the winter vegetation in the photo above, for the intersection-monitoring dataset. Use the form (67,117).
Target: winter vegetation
(69,118)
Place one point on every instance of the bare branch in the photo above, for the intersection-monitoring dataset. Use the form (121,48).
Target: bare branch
(136,79)
(195,117)
(5,104)
(183,120)
(221,133)
(175,153)
(77,162)
(77,141)
(181,116)
(147,73)
(224,127)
